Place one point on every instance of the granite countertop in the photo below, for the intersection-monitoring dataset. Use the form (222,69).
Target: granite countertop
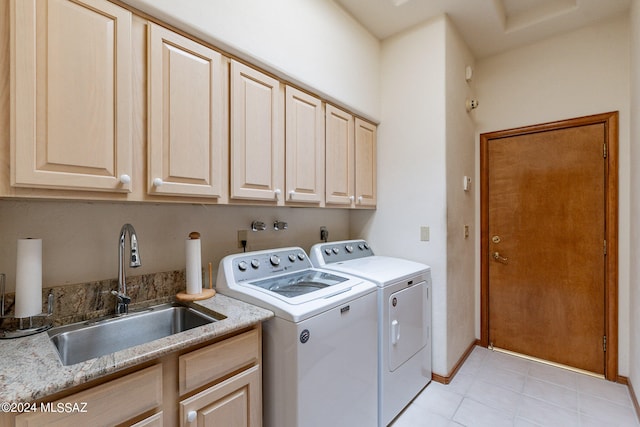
(30,368)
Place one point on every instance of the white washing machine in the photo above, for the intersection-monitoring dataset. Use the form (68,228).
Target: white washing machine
(404,314)
(319,351)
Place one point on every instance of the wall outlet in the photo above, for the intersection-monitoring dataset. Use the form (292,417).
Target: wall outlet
(466,231)
(242,235)
(324,234)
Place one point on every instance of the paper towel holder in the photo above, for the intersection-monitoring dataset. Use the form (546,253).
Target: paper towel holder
(26,325)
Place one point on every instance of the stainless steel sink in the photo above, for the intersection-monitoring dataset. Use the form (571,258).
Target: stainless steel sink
(83,341)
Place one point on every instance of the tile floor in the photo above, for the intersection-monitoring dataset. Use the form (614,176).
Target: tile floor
(493,389)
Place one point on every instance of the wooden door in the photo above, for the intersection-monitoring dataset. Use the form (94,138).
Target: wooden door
(187,130)
(304,147)
(340,180)
(546,206)
(71,95)
(257,148)
(365,167)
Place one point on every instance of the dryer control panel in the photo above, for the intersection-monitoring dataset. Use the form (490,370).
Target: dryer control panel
(345,250)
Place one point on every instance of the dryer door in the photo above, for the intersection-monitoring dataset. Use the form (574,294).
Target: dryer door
(407,309)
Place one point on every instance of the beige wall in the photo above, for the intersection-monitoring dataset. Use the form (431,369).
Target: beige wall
(80,239)
(571,75)
(461,255)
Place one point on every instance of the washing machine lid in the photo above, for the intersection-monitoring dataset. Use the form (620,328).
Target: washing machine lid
(316,292)
(382,270)
(295,288)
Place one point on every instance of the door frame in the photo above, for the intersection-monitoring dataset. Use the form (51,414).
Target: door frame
(610,121)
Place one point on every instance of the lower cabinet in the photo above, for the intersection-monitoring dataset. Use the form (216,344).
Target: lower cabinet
(217,384)
(108,404)
(234,402)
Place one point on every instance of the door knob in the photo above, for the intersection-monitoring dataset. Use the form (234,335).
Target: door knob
(499,258)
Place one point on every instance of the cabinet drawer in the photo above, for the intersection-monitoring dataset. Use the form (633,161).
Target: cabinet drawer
(105,405)
(153,421)
(203,366)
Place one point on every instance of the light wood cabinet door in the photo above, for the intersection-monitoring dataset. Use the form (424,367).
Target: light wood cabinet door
(304,147)
(257,149)
(236,402)
(339,157)
(187,130)
(365,167)
(71,95)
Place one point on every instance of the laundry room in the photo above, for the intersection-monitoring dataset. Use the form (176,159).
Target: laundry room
(419,98)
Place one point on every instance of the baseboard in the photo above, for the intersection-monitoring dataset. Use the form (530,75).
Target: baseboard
(447,379)
(633,395)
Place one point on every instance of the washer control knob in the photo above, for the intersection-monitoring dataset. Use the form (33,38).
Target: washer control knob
(274,260)
(366,246)
(292,257)
(349,248)
(361,246)
(327,251)
(301,256)
(242,265)
(255,263)
(335,250)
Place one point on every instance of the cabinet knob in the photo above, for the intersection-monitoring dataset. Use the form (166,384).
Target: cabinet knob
(191,416)
(277,193)
(351,198)
(125,179)
(291,194)
(359,199)
(157,182)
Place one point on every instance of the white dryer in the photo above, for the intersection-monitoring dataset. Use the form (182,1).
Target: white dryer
(404,318)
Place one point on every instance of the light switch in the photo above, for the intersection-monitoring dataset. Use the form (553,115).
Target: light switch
(466,184)
(424,233)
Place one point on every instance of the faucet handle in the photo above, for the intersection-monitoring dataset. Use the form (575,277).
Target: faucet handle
(121,297)
(258,226)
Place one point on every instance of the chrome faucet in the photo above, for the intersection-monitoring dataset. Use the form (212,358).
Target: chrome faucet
(122,299)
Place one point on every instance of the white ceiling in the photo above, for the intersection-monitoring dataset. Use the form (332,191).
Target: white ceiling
(488,26)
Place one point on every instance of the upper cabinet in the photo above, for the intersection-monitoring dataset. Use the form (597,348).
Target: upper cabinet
(71,107)
(305,147)
(340,157)
(187,150)
(257,148)
(106,104)
(365,160)
(351,160)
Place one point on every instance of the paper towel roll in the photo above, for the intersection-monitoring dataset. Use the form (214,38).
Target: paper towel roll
(194,266)
(29,278)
